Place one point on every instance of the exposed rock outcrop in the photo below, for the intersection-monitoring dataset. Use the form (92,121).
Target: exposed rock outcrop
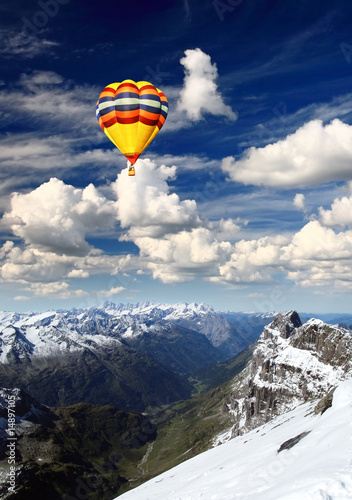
(291,364)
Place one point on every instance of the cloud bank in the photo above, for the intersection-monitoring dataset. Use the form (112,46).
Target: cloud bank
(174,243)
(55,220)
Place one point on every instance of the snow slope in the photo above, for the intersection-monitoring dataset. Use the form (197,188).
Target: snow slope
(249,467)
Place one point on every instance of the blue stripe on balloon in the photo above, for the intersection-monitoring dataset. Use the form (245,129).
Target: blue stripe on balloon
(150,109)
(122,95)
(107,110)
(106,99)
(150,96)
(126,107)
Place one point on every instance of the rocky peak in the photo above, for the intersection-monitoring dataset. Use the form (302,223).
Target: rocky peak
(286,324)
(291,363)
(330,344)
(14,346)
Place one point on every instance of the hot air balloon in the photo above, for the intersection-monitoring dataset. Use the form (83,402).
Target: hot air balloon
(131,114)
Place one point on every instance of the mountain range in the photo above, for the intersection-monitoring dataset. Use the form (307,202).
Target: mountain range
(154,358)
(130,356)
(291,363)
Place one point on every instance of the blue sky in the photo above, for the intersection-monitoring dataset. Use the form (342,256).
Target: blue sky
(243,200)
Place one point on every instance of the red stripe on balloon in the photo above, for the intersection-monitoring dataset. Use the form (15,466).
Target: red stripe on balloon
(147,121)
(126,121)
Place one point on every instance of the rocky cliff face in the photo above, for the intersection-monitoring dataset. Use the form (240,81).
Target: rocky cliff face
(291,364)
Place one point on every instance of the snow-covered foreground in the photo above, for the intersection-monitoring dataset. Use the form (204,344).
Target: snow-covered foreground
(318,467)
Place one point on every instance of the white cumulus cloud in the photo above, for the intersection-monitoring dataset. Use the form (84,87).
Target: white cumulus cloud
(58,289)
(146,206)
(182,256)
(174,242)
(45,273)
(252,261)
(314,154)
(56,217)
(227,229)
(318,256)
(318,243)
(104,294)
(340,214)
(299,201)
(200,94)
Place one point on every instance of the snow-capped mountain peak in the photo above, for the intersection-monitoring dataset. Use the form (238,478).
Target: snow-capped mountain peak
(156,338)
(54,330)
(291,363)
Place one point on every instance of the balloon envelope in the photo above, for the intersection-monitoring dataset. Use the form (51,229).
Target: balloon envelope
(131,114)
